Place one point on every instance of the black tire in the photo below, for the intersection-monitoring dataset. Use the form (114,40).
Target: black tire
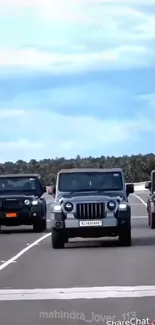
(57,239)
(125,236)
(152,220)
(39,226)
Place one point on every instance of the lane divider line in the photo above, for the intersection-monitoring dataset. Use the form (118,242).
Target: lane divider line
(135,204)
(23,251)
(139,217)
(138,197)
(78,293)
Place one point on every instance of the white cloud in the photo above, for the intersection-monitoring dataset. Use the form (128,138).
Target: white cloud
(123,56)
(49,4)
(24,149)
(149,101)
(108,34)
(128,2)
(55,135)
(72,36)
(14,113)
(35,59)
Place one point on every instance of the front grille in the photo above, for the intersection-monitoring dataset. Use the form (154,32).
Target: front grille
(12,205)
(90,211)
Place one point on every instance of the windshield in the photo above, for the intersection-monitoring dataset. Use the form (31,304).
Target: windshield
(20,184)
(90,181)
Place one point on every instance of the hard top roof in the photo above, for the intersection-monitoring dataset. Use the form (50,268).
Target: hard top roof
(99,170)
(5,175)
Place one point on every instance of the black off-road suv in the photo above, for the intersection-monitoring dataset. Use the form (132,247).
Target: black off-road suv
(22,201)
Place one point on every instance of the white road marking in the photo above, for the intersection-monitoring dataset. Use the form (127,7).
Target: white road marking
(139,217)
(133,204)
(77,293)
(138,197)
(15,257)
(37,244)
(5,262)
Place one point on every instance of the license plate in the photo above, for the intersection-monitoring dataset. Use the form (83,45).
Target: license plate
(94,223)
(11,215)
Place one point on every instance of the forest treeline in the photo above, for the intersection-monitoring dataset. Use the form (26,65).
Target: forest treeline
(137,168)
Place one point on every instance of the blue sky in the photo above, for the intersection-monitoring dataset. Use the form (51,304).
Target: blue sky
(76,77)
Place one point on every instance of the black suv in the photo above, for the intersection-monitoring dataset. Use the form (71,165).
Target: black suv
(22,201)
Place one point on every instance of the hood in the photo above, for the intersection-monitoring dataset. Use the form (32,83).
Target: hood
(17,196)
(92,196)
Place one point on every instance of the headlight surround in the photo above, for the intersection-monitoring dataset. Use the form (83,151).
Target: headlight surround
(27,202)
(68,206)
(122,206)
(111,205)
(57,208)
(35,202)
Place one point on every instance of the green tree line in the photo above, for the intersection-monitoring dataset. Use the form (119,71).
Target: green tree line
(137,168)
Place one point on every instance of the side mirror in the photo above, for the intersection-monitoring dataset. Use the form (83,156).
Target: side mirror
(129,188)
(148,185)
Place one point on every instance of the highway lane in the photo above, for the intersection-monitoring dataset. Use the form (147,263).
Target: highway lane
(13,239)
(83,264)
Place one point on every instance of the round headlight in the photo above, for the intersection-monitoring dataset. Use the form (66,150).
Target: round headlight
(68,207)
(27,202)
(111,205)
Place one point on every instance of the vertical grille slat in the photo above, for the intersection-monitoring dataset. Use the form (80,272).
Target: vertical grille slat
(90,211)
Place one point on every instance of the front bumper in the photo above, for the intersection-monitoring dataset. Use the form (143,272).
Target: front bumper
(110,227)
(23,217)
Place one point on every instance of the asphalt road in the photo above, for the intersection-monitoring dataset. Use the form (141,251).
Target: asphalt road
(85,264)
